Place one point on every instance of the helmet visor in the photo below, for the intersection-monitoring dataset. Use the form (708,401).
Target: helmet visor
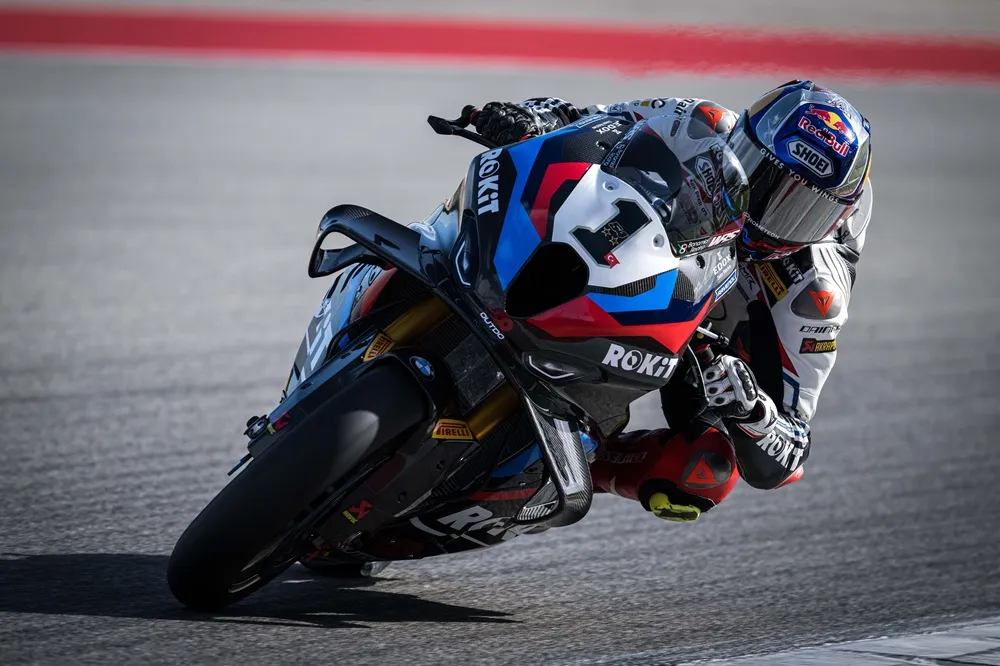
(782,204)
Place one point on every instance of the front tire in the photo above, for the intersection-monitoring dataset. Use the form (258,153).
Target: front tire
(240,541)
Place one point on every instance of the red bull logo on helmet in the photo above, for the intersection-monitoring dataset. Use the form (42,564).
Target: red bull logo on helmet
(826,136)
(832,120)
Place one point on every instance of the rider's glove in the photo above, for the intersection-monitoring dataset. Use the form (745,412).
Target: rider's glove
(505,123)
(733,394)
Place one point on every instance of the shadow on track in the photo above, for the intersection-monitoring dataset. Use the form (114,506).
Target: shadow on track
(135,586)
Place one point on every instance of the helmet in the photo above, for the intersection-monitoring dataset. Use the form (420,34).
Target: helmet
(806,152)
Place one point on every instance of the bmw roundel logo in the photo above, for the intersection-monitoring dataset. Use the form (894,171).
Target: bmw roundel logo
(423,366)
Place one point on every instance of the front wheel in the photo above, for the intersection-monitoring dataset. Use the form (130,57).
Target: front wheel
(245,536)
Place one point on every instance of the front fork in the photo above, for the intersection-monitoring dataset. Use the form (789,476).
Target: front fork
(427,458)
(416,322)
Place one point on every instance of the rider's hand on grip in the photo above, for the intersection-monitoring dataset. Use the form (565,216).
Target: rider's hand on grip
(730,387)
(505,123)
(733,394)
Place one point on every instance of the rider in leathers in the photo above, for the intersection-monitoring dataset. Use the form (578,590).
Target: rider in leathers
(806,153)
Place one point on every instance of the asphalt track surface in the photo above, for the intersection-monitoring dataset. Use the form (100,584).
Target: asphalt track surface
(156,219)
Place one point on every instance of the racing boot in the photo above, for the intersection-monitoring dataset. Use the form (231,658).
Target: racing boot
(675,476)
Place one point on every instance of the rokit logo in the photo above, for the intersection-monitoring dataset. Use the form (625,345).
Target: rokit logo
(488,189)
(802,153)
(638,362)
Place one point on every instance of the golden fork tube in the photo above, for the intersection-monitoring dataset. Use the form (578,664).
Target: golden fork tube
(491,412)
(417,320)
(421,318)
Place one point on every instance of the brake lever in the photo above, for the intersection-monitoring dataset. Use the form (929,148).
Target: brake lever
(457,127)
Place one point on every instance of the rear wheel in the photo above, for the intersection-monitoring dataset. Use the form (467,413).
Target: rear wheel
(246,535)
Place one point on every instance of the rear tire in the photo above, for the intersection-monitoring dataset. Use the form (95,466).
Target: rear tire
(224,555)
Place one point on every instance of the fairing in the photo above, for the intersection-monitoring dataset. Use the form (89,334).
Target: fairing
(650,220)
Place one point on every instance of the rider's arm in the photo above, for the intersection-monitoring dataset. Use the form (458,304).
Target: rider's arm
(792,344)
(552,113)
(507,122)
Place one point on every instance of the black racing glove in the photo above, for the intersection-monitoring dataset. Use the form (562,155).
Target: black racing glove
(505,123)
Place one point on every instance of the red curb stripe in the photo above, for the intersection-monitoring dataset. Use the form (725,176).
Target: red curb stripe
(632,49)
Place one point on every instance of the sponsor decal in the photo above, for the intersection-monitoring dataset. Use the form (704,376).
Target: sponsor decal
(724,238)
(633,360)
(823,300)
(724,265)
(792,269)
(380,345)
(451,429)
(819,300)
(356,513)
(724,288)
(826,136)
(692,247)
(683,105)
(832,120)
(280,423)
(706,171)
(628,220)
(490,325)
(477,519)
(488,187)
(590,120)
(799,179)
(707,470)
(696,246)
(423,366)
(814,346)
(621,457)
(609,126)
(713,113)
(811,159)
(784,451)
(615,155)
(819,330)
(772,280)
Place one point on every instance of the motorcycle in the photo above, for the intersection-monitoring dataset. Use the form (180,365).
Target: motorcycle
(461,373)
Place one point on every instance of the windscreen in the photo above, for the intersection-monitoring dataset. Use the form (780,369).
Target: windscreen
(695,184)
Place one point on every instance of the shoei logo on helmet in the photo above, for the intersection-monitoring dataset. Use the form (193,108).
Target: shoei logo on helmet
(774,160)
(809,158)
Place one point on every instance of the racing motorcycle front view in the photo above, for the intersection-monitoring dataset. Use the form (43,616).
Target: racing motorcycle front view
(461,372)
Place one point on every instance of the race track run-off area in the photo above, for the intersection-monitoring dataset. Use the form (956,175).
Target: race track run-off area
(159,192)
